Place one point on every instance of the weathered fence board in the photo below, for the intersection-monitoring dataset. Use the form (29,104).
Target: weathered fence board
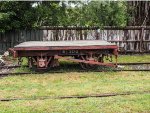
(129,39)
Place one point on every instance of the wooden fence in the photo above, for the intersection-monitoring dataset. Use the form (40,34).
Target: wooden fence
(129,39)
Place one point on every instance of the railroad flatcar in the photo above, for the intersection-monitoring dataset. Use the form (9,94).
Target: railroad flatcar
(88,53)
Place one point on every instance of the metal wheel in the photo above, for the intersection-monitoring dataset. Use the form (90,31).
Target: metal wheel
(87,66)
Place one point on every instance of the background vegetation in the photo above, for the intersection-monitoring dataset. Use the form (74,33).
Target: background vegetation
(32,14)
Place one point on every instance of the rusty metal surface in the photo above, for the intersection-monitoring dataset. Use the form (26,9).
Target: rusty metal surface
(88,62)
(75,96)
(44,54)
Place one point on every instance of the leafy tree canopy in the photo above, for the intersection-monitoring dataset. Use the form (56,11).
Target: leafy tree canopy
(32,14)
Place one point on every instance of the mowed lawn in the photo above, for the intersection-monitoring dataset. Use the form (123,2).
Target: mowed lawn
(71,83)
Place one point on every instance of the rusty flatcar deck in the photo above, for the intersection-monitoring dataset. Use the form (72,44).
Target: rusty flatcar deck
(59,45)
(44,54)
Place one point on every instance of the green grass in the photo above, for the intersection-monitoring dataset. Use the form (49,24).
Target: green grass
(65,84)
(134,58)
(119,104)
(71,83)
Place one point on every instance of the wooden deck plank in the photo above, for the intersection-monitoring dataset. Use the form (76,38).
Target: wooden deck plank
(63,43)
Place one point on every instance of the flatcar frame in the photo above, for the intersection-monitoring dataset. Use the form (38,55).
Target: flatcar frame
(47,56)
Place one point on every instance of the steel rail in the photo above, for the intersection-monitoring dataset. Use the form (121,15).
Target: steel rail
(134,63)
(120,63)
(111,70)
(76,96)
(103,70)
(8,67)
(131,63)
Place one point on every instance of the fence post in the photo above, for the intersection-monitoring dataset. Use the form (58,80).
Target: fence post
(81,38)
(141,39)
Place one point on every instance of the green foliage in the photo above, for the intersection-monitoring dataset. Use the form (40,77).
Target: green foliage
(47,13)
(32,14)
(16,15)
(105,13)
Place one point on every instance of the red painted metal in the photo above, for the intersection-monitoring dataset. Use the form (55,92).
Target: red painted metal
(14,52)
(41,62)
(88,62)
(47,56)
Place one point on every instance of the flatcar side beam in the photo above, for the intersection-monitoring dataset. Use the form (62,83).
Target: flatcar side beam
(86,62)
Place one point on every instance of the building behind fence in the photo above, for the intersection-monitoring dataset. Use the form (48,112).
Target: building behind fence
(129,39)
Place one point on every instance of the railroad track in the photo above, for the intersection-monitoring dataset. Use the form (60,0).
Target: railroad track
(134,63)
(131,63)
(76,96)
(8,67)
(24,73)
(115,70)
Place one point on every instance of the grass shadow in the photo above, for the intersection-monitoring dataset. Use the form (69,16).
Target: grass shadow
(63,68)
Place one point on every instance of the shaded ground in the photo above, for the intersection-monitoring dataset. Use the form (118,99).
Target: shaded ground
(67,66)
(72,67)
